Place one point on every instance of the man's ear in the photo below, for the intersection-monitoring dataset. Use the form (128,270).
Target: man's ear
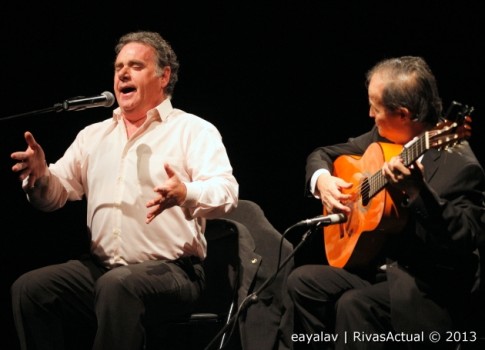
(165,76)
(404,113)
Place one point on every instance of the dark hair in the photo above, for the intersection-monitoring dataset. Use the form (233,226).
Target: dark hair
(410,84)
(164,52)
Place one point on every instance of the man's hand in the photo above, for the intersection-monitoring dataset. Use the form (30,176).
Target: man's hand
(169,194)
(408,180)
(30,163)
(330,190)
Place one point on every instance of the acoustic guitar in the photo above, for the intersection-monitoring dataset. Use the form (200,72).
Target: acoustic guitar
(374,213)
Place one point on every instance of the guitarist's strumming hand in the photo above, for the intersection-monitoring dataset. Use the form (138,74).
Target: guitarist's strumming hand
(330,191)
(408,180)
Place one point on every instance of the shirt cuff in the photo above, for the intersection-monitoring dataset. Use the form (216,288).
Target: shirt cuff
(193,194)
(40,183)
(313,181)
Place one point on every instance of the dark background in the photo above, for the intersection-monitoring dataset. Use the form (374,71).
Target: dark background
(277,78)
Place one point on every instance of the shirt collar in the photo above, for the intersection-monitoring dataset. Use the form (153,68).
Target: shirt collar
(160,112)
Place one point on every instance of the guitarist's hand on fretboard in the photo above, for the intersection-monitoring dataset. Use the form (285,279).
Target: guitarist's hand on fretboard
(409,180)
(330,190)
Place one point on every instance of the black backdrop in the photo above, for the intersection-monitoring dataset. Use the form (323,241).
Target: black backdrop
(278,78)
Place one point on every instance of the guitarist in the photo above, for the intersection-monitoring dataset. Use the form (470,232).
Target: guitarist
(422,277)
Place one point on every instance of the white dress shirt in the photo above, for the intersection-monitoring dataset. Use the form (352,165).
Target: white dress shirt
(117,175)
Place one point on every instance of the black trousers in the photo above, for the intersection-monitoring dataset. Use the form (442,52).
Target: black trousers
(341,310)
(82,305)
(329,302)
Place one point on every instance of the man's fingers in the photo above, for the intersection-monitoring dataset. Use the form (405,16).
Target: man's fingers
(29,138)
(168,170)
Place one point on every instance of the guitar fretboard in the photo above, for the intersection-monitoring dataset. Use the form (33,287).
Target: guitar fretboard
(375,183)
(440,138)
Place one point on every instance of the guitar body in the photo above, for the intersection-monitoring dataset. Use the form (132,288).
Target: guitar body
(355,243)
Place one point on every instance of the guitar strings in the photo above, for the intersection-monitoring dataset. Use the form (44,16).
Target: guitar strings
(377,181)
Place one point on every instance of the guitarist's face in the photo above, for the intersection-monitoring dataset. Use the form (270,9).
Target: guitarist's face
(396,126)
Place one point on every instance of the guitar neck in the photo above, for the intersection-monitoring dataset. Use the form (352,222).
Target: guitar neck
(409,155)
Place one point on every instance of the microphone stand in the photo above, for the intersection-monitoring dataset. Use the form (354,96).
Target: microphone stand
(254,297)
(58,107)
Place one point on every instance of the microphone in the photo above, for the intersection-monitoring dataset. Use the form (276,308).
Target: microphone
(106,99)
(324,219)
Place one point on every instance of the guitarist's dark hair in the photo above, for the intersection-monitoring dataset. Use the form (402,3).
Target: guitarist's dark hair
(410,84)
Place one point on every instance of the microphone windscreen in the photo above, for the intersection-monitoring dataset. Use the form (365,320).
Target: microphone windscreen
(110,98)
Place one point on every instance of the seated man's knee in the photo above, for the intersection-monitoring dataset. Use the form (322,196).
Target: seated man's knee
(351,299)
(296,281)
(306,281)
(113,281)
(29,287)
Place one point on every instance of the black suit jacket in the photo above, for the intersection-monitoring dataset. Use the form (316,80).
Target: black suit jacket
(433,265)
(267,323)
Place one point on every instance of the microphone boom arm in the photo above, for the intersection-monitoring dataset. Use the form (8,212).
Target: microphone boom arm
(106,99)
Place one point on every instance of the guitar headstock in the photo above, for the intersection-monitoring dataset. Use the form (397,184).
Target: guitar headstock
(455,128)
(457,111)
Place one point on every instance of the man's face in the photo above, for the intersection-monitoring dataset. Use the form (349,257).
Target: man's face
(137,83)
(389,124)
